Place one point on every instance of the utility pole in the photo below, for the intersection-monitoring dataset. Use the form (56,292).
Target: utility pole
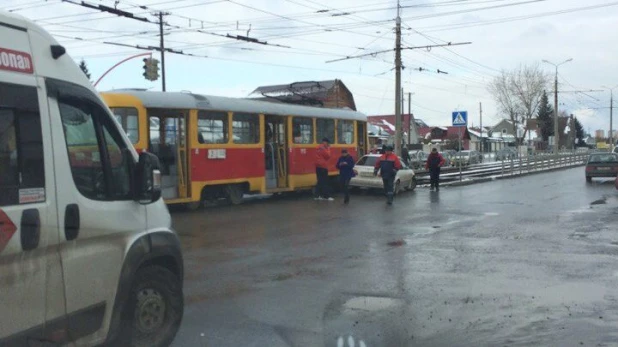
(556,124)
(398,127)
(611,117)
(162,47)
(411,125)
(481,121)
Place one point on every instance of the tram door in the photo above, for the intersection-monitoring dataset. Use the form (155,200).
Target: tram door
(168,141)
(361,138)
(275,152)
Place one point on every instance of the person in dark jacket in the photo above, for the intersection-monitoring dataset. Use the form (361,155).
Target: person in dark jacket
(435,160)
(345,164)
(388,165)
(321,171)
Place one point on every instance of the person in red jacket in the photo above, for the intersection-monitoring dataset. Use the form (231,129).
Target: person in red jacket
(388,165)
(435,160)
(322,188)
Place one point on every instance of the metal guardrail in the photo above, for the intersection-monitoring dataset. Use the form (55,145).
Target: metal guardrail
(517,166)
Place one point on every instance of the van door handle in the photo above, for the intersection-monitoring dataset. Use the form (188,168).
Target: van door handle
(71,222)
(30,229)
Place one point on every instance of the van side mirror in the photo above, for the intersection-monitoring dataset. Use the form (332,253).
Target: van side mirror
(147,182)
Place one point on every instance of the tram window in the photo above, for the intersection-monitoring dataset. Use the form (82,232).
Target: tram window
(303,130)
(127,118)
(212,127)
(345,132)
(245,128)
(326,129)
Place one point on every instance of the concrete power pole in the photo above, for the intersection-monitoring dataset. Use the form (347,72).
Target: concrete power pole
(556,123)
(162,46)
(611,121)
(481,121)
(398,125)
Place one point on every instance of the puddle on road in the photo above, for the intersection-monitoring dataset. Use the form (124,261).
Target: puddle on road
(370,304)
(599,202)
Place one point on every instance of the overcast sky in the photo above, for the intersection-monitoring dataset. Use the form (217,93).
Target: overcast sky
(504,34)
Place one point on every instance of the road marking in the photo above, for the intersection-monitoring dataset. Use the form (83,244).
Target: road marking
(351,342)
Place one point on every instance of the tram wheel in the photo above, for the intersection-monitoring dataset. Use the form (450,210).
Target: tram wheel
(193,206)
(234,194)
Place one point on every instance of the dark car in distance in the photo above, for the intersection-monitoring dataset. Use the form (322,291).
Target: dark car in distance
(601,165)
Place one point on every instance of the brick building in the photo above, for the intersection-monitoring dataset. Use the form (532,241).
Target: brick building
(329,94)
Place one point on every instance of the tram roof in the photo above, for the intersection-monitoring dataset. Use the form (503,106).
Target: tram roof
(181,100)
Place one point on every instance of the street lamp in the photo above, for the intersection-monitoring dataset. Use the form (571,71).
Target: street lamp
(556,127)
(611,116)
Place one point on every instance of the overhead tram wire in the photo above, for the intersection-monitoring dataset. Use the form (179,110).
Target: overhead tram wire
(38,5)
(299,20)
(448,27)
(177,50)
(140,13)
(435,40)
(439,14)
(130,15)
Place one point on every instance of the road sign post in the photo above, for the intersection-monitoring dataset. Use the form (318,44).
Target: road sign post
(459,120)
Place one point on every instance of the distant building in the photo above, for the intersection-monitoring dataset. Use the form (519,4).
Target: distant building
(329,94)
(388,122)
(444,135)
(599,134)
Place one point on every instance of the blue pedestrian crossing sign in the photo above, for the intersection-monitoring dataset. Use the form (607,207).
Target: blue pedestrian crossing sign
(460,118)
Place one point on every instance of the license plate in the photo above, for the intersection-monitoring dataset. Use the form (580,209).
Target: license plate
(366,174)
(604,168)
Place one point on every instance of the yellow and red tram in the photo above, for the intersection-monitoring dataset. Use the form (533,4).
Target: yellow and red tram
(214,147)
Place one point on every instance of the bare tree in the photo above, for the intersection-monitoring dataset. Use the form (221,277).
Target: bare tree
(528,84)
(518,93)
(501,90)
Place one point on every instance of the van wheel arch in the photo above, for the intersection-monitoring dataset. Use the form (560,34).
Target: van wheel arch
(154,249)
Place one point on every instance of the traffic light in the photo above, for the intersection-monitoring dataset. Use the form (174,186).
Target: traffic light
(151,69)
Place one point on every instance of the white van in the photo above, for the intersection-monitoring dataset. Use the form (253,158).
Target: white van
(87,253)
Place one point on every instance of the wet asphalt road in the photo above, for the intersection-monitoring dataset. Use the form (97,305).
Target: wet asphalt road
(517,262)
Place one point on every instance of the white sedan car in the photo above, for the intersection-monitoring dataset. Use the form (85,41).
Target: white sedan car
(405,178)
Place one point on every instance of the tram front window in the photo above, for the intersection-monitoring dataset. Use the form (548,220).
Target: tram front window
(127,118)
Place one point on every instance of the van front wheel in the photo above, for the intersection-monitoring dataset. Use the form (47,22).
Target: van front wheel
(155,308)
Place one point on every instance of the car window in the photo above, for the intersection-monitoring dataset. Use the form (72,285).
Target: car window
(603,158)
(367,161)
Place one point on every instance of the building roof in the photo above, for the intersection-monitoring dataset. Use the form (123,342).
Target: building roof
(178,100)
(305,92)
(425,132)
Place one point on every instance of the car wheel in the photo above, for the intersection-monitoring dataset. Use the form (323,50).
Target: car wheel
(588,179)
(154,310)
(397,187)
(412,184)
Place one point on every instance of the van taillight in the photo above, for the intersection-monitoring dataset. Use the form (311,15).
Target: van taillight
(590,168)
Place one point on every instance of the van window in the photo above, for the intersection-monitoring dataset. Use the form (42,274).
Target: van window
(22,169)
(127,118)
(99,158)
(326,129)
(212,127)
(303,130)
(245,128)
(345,132)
